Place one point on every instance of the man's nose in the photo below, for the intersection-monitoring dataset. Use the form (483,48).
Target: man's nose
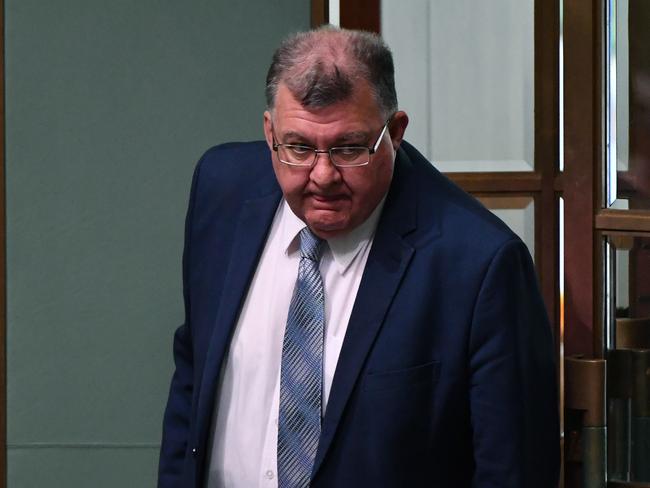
(324,172)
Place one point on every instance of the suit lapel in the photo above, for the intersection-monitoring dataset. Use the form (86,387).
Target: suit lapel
(387,262)
(254,222)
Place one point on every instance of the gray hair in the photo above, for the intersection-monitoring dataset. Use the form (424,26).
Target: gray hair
(321,67)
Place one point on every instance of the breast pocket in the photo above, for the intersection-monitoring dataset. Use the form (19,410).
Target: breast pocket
(420,375)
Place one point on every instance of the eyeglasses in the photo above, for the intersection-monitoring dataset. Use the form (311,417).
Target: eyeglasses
(344,156)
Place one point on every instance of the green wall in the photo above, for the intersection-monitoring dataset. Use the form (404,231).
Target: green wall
(108,106)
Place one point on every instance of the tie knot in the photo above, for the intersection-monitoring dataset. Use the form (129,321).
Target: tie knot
(310,245)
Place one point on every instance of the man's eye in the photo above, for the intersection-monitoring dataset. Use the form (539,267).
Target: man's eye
(299,149)
(349,151)
(350,154)
(300,152)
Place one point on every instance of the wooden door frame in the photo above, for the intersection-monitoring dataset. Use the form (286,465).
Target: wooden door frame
(585,159)
(319,12)
(583,154)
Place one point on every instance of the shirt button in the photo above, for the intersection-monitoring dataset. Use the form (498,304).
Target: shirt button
(269,474)
(194,451)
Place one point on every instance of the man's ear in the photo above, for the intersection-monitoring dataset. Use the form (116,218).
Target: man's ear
(268,132)
(397,126)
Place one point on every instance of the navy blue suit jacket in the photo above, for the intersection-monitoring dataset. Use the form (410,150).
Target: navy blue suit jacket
(446,377)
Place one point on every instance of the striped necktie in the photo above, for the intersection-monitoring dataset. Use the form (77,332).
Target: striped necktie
(301,374)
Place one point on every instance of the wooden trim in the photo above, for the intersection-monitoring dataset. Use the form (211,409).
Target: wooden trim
(361,14)
(515,182)
(319,13)
(552,307)
(546,157)
(599,333)
(558,181)
(505,201)
(519,201)
(622,233)
(629,220)
(3,265)
(497,182)
(582,154)
(599,161)
(547,137)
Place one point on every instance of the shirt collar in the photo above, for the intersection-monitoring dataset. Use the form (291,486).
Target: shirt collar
(344,248)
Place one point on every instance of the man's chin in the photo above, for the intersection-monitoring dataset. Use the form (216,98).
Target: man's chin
(327,228)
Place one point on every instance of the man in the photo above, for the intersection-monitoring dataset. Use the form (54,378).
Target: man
(353,319)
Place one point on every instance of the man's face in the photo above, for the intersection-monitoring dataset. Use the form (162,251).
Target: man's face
(329,199)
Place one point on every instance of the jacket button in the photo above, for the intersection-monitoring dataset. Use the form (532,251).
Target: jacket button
(194,451)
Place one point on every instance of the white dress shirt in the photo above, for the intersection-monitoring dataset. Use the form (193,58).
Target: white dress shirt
(245,421)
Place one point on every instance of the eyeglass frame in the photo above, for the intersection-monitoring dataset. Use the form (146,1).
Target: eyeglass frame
(371,150)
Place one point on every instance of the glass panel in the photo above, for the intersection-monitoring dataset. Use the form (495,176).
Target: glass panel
(334,12)
(518,213)
(627,312)
(627,185)
(465,74)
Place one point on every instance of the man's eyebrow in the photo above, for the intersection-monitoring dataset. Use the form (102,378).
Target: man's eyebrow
(293,135)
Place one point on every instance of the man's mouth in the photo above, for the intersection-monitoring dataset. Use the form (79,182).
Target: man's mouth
(326,201)
(326,198)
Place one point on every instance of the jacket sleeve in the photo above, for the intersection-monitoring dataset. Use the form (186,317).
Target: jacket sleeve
(513,392)
(176,421)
